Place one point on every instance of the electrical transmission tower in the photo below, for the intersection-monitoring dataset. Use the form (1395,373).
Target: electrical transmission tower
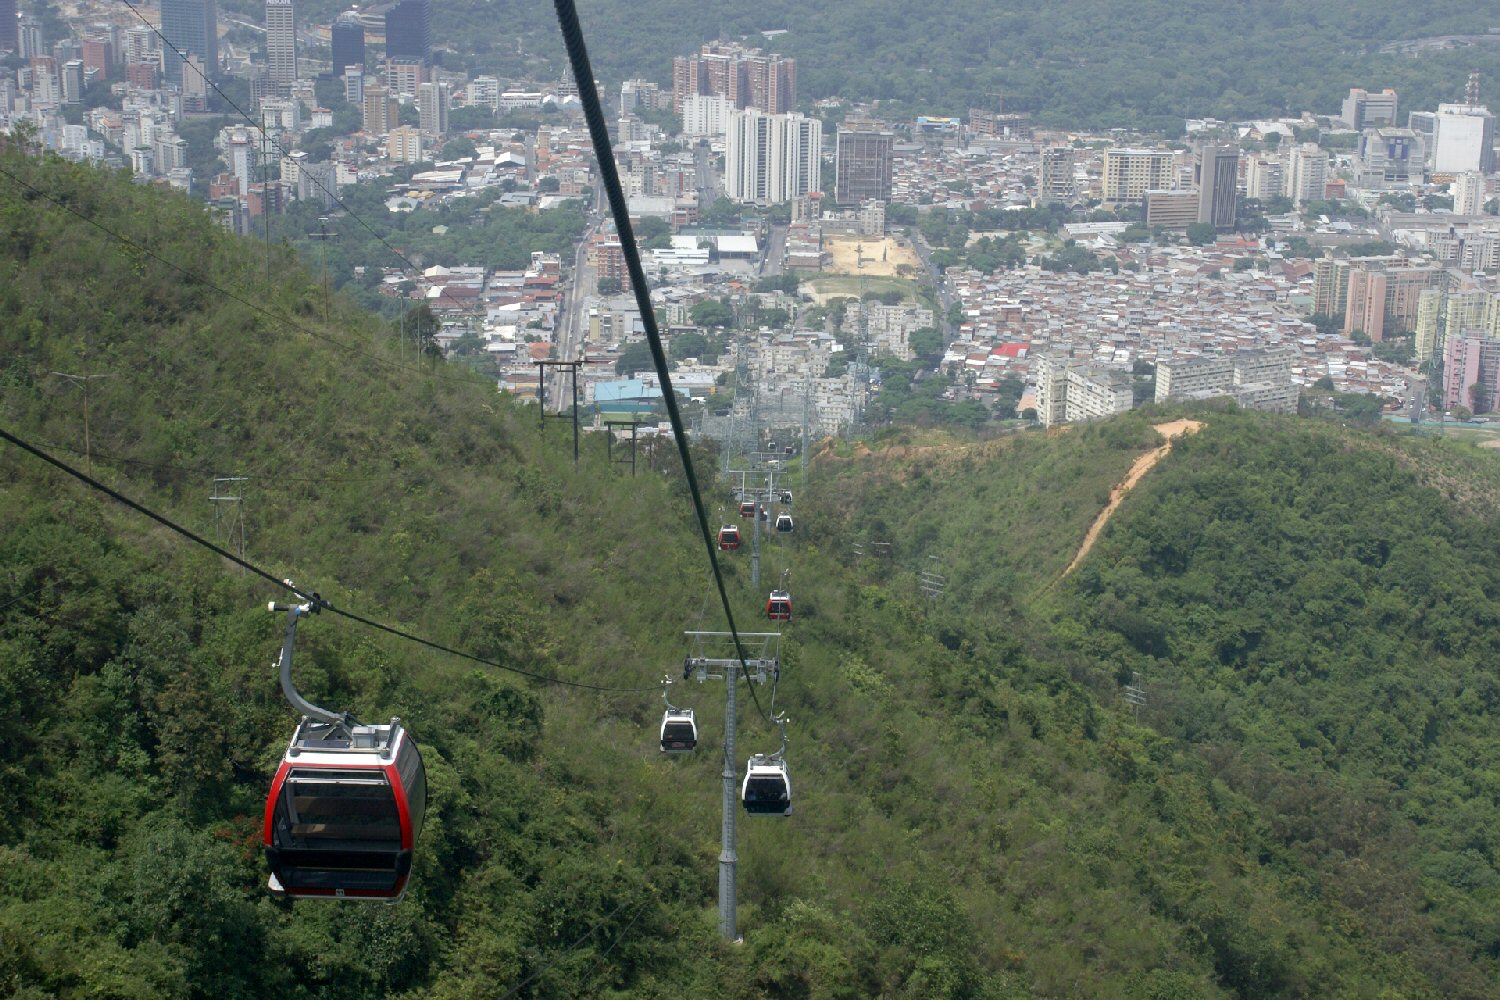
(229,526)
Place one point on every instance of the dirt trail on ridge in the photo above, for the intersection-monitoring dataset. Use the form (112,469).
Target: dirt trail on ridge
(1142,465)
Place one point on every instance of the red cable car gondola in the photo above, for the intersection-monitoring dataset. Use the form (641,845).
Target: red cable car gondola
(729,537)
(347,803)
(747,508)
(779,606)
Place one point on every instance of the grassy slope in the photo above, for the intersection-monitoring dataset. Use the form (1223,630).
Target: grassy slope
(972,819)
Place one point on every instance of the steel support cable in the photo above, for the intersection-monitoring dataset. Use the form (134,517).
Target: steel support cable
(306,595)
(227,293)
(588,94)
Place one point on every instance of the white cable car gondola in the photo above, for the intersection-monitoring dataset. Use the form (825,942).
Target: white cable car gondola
(346,806)
(784,522)
(767,788)
(679,730)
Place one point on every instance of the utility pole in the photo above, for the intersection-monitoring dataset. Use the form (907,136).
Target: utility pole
(224,493)
(755,545)
(1135,693)
(265,193)
(541,398)
(806,420)
(757,669)
(84,380)
(323,238)
(932,582)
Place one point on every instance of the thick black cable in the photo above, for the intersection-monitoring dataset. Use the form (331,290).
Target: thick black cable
(588,94)
(241,299)
(306,595)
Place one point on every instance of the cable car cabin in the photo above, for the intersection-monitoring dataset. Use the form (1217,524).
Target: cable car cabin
(747,508)
(345,812)
(767,790)
(779,606)
(679,731)
(729,537)
(785,496)
(784,522)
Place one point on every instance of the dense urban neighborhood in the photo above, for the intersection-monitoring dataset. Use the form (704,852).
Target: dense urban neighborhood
(806,258)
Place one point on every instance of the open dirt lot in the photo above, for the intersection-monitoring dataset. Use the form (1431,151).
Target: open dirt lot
(882,257)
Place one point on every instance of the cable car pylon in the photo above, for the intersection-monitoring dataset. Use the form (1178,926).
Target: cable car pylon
(761,663)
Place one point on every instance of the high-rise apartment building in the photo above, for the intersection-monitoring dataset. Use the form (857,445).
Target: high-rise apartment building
(1471,373)
(483,92)
(1265,177)
(1468,193)
(404,145)
(706,115)
(379,112)
(354,86)
(1068,390)
(749,78)
(29,36)
(1454,312)
(1130,173)
(1381,299)
(1307,172)
(141,46)
(863,155)
(771,158)
(403,76)
(348,42)
(70,75)
(1055,180)
(408,31)
(281,45)
(1216,173)
(191,27)
(1364,109)
(1463,138)
(432,107)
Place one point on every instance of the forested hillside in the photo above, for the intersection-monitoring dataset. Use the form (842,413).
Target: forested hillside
(977,814)
(1314,614)
(1079,63)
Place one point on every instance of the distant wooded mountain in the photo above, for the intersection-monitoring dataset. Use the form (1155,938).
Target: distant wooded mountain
(1087,63)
